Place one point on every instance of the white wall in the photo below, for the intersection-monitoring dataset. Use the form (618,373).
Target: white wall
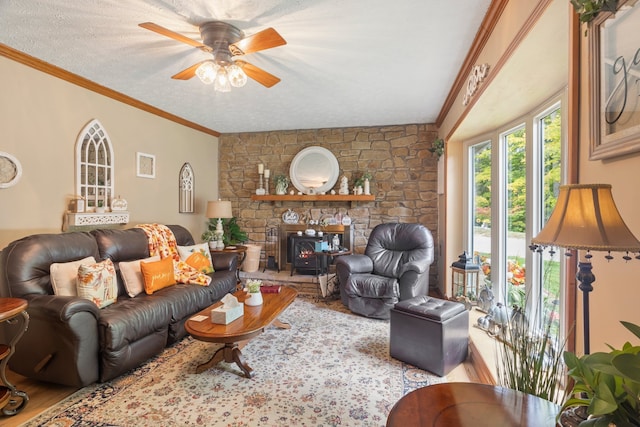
(41,117)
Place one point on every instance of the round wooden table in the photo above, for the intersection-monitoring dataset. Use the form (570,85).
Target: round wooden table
(471,405)
(14,312)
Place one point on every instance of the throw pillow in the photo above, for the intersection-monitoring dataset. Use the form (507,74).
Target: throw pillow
(157,274)
(97,282)
(197,256)
(132,276)
(64,276)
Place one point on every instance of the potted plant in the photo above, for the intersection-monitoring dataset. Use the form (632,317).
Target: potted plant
(530,356)
(607,385)
(437,147)
(588,9)
(254,296)
(232,233)
(282,182)
(209,236)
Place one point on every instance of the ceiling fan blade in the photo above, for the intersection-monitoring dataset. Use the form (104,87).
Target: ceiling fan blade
(173,35)
(258,74)
(187,73)
(265,39)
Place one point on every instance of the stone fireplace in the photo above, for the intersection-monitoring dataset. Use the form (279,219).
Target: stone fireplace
(405,178)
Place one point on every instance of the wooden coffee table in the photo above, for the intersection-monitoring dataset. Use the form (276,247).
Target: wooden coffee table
(237,334)
(471,405)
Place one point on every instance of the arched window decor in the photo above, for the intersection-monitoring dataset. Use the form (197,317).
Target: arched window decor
(94,167)
(187,182)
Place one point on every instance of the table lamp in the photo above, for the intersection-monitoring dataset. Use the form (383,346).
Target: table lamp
(586,218)
(219,209)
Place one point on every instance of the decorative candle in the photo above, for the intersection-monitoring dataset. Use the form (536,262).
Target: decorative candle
(266,173)
(260,168)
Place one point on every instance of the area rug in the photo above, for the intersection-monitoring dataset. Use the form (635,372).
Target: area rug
(332,368)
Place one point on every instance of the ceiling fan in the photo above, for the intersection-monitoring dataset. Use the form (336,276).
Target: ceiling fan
(224,41)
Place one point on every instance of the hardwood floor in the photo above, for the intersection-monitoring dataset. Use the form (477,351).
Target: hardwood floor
(41,396)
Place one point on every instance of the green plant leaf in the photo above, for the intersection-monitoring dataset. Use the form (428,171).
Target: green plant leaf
(634,329)
(604,402)
(628,365)
(571,360)
(575,401)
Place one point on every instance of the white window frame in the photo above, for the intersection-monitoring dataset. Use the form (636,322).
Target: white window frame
(498,199)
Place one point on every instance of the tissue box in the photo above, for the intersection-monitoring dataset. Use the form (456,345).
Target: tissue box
(224,315)
(321,246)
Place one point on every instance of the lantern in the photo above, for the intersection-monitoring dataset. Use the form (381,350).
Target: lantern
(465,278)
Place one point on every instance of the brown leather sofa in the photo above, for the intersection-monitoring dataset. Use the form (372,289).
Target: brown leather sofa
(70,340)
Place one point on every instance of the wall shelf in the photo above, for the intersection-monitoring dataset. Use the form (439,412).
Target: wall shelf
(93,218)
(314,198)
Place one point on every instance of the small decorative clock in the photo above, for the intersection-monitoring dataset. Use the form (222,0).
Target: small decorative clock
(10,170)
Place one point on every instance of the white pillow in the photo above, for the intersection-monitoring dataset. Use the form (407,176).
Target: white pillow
(193,256)
(132,276)
(64,276)
(97,282)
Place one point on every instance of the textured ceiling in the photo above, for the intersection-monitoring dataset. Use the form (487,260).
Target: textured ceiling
(346,63)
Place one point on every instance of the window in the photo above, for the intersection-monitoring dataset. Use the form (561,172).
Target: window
(480,202)
(549,145)
(511,193)
(94,166)
(514,222)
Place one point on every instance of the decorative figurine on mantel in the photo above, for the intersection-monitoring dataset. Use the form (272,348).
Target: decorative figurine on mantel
(344,186)
(282,182)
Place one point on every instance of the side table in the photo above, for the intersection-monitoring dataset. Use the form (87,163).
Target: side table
(330,257)
(13,312)
(237,249)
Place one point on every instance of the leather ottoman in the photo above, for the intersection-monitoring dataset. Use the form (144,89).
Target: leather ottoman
(430,333)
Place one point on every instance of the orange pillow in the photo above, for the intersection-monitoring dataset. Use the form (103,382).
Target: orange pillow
(197,256)
(200,262)
(157,274)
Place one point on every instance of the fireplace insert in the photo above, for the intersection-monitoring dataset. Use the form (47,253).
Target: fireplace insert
(302,255)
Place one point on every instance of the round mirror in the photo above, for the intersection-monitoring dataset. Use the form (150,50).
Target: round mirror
(314,170)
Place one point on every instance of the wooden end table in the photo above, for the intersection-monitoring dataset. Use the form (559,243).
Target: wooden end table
(471,405)
(13,311)
(237,334)
(241,250)
(330,257)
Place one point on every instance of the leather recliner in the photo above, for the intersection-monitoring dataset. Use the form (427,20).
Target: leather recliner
(394,267)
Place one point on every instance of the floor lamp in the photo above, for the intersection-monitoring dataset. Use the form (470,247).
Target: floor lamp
(219,209)
(586,218)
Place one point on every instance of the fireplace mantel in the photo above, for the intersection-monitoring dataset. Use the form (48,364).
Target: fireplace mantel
(350,198)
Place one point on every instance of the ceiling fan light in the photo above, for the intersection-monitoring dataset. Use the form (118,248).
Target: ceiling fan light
(237,76)
(207,71)
(221,83)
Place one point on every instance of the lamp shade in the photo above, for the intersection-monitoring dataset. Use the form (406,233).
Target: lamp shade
(219,209)
(586,218)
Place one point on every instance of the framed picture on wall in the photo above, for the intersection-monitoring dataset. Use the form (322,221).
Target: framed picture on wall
(145,165)
(614,66)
